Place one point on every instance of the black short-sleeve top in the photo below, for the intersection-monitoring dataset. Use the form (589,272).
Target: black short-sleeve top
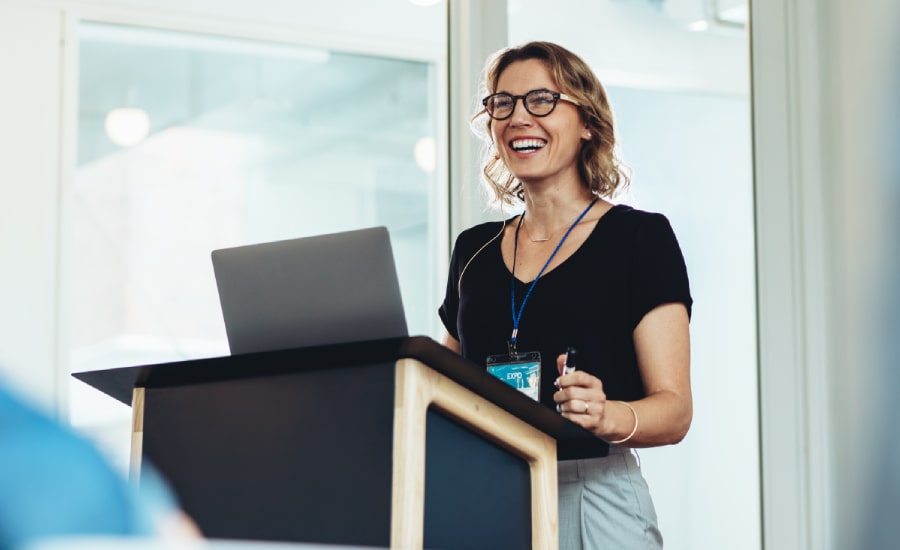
(629,264)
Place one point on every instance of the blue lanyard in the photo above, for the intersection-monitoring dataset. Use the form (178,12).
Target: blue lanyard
(517,317)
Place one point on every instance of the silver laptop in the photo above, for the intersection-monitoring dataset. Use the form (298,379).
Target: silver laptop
(327,289)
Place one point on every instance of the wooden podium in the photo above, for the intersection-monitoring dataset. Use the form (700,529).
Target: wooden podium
(396,442)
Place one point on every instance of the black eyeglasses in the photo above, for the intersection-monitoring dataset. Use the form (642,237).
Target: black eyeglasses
(500,106)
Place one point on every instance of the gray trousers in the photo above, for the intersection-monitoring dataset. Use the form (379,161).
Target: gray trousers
(604,504)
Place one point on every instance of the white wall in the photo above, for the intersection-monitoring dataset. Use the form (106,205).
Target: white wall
(30,96)
(825,125)
(859,86)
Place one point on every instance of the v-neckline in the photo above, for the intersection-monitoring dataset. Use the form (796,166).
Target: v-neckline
(564,261)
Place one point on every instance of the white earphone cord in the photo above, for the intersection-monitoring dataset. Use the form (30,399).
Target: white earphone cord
(494,238)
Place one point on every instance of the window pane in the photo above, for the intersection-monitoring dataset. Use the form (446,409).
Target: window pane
(188,143)
(680,95)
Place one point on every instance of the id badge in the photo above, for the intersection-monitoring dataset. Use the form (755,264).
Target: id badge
(521,371)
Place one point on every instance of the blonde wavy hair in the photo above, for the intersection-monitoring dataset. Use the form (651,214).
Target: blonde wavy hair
(600,169)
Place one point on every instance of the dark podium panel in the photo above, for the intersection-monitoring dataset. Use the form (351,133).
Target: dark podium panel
(461,469)
(396,443)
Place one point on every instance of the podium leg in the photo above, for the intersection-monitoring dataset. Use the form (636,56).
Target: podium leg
(137,435)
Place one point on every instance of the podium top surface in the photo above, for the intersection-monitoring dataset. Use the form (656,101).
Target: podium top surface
(572,440)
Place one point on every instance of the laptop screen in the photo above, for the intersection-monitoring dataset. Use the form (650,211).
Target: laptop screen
(326,289)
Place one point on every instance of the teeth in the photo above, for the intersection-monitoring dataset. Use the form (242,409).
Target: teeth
(527,145)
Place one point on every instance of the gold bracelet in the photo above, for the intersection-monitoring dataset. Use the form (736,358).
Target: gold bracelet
(633,430)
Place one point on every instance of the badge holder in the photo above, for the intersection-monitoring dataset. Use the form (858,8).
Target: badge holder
(520,370)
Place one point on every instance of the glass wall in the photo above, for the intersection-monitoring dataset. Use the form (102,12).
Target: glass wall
(188,143)
(677,76)
(691,157)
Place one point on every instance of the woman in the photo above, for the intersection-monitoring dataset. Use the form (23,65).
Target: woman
(575,270)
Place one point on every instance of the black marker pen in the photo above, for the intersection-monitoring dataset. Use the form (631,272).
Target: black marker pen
(571,359)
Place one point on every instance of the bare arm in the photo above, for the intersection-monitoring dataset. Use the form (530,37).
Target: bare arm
(662,343)
(450,342)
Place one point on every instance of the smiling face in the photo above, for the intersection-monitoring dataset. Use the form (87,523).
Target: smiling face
(538,150)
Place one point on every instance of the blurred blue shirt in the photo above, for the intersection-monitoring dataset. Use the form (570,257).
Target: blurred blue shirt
(54,482)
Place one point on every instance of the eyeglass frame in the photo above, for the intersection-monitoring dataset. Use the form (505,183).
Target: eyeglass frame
(515,100)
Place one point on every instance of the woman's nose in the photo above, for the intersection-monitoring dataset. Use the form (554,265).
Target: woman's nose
(520,115)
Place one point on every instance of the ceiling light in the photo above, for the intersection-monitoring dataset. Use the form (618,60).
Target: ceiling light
(425,153)
(737,15)
(699,26)
(127,126)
